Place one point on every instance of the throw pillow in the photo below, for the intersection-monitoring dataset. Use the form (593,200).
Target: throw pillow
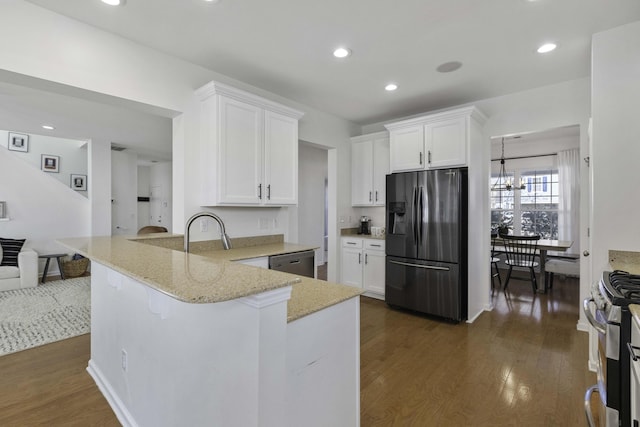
(10,250)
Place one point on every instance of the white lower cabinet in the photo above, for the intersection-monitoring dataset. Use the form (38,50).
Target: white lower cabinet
(262,262)
(363,265)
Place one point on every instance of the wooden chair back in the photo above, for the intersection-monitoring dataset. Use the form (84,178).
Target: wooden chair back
(148,229)
(521,250)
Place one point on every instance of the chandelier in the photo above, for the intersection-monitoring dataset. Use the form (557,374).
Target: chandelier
(503,183)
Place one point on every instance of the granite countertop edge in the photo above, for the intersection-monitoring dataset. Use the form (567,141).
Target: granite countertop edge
(221,279)
(635,312)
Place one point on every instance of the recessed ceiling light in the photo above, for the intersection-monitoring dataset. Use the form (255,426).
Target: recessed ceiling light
(341,52)
(448,67)
(212,1)
(391,87)
(114,2)
(548,47)
(48,127)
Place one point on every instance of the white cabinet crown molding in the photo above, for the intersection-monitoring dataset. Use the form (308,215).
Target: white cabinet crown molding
(369,136)
(216,88)
(471,111)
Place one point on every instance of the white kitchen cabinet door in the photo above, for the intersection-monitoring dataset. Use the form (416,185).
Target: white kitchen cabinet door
(362,173)
(446,143)
(380,170)
(240,145)
(281,159)
(248,149)
(407,148)
(374,271)
(352,267)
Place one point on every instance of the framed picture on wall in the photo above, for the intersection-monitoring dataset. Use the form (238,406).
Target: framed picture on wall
(79,182)
(18,142)
(50,163)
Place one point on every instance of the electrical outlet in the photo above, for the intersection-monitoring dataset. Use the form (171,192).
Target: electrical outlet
(124,360)
(204,225)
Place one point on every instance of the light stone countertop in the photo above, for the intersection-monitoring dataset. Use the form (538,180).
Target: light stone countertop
(625,260)
(210,276)
(635,312)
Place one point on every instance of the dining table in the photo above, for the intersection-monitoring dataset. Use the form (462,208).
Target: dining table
(544,246)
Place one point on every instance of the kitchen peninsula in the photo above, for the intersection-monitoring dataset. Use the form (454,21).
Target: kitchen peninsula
(197,339)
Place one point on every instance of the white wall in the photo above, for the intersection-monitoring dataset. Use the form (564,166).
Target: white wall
(83,57)
(616,149)
(144,176)
(124,189)
(72,155)
(312,172)
(99,184)
(160,176)
(41,209)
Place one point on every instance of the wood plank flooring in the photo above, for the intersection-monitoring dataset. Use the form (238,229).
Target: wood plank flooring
(523,364)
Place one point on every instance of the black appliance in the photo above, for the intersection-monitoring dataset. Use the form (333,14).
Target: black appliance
(365,225)
(426,242)
(612,320)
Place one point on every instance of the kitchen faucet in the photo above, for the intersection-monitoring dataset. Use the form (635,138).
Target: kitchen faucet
(226,242)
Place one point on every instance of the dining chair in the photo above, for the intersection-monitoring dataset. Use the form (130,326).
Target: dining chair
(495,272)
(521,251)
(148,229)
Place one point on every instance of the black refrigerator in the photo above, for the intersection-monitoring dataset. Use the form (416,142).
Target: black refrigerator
(426,243)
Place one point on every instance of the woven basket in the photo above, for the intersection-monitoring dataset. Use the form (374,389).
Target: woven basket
(75,267)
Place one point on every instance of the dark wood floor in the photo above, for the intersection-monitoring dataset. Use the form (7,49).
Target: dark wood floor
(523,364)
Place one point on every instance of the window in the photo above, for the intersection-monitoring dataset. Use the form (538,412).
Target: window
(532,210)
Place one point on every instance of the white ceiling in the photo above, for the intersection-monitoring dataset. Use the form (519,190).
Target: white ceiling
(284,46)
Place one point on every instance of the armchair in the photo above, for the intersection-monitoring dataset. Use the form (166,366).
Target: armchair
(23,276)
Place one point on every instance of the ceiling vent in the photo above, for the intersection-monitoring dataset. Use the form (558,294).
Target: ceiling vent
(116,147)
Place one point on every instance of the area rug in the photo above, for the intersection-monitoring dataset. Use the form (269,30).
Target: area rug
(50,312)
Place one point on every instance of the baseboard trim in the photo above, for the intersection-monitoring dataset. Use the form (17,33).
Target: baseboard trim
(123,415)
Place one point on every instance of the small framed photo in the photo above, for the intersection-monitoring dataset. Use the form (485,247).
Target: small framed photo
(50,163)
(79,182)
(18,142)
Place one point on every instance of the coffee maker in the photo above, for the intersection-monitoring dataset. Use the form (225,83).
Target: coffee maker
(365,225)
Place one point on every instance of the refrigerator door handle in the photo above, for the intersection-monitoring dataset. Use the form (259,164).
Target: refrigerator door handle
(415,215)
(421,235)
(426,267)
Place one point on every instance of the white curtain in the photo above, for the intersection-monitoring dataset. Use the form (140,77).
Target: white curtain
(569,192)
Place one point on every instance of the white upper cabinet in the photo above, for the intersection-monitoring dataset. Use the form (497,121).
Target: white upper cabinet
(249,149)
(369,167)
(407,148)
(435,141)
(281,159)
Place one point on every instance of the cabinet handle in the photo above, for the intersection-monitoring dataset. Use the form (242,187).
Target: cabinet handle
(421,158)
(260,191)
(370,195)
(269,192)
(359,258)
(429,154)
(376,195)
(377,246)
(366,259)
(351,243)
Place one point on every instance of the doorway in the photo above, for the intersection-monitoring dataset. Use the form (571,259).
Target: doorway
(544,172)
(313,172)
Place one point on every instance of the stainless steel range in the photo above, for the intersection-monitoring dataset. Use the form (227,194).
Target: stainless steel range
(610,300)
